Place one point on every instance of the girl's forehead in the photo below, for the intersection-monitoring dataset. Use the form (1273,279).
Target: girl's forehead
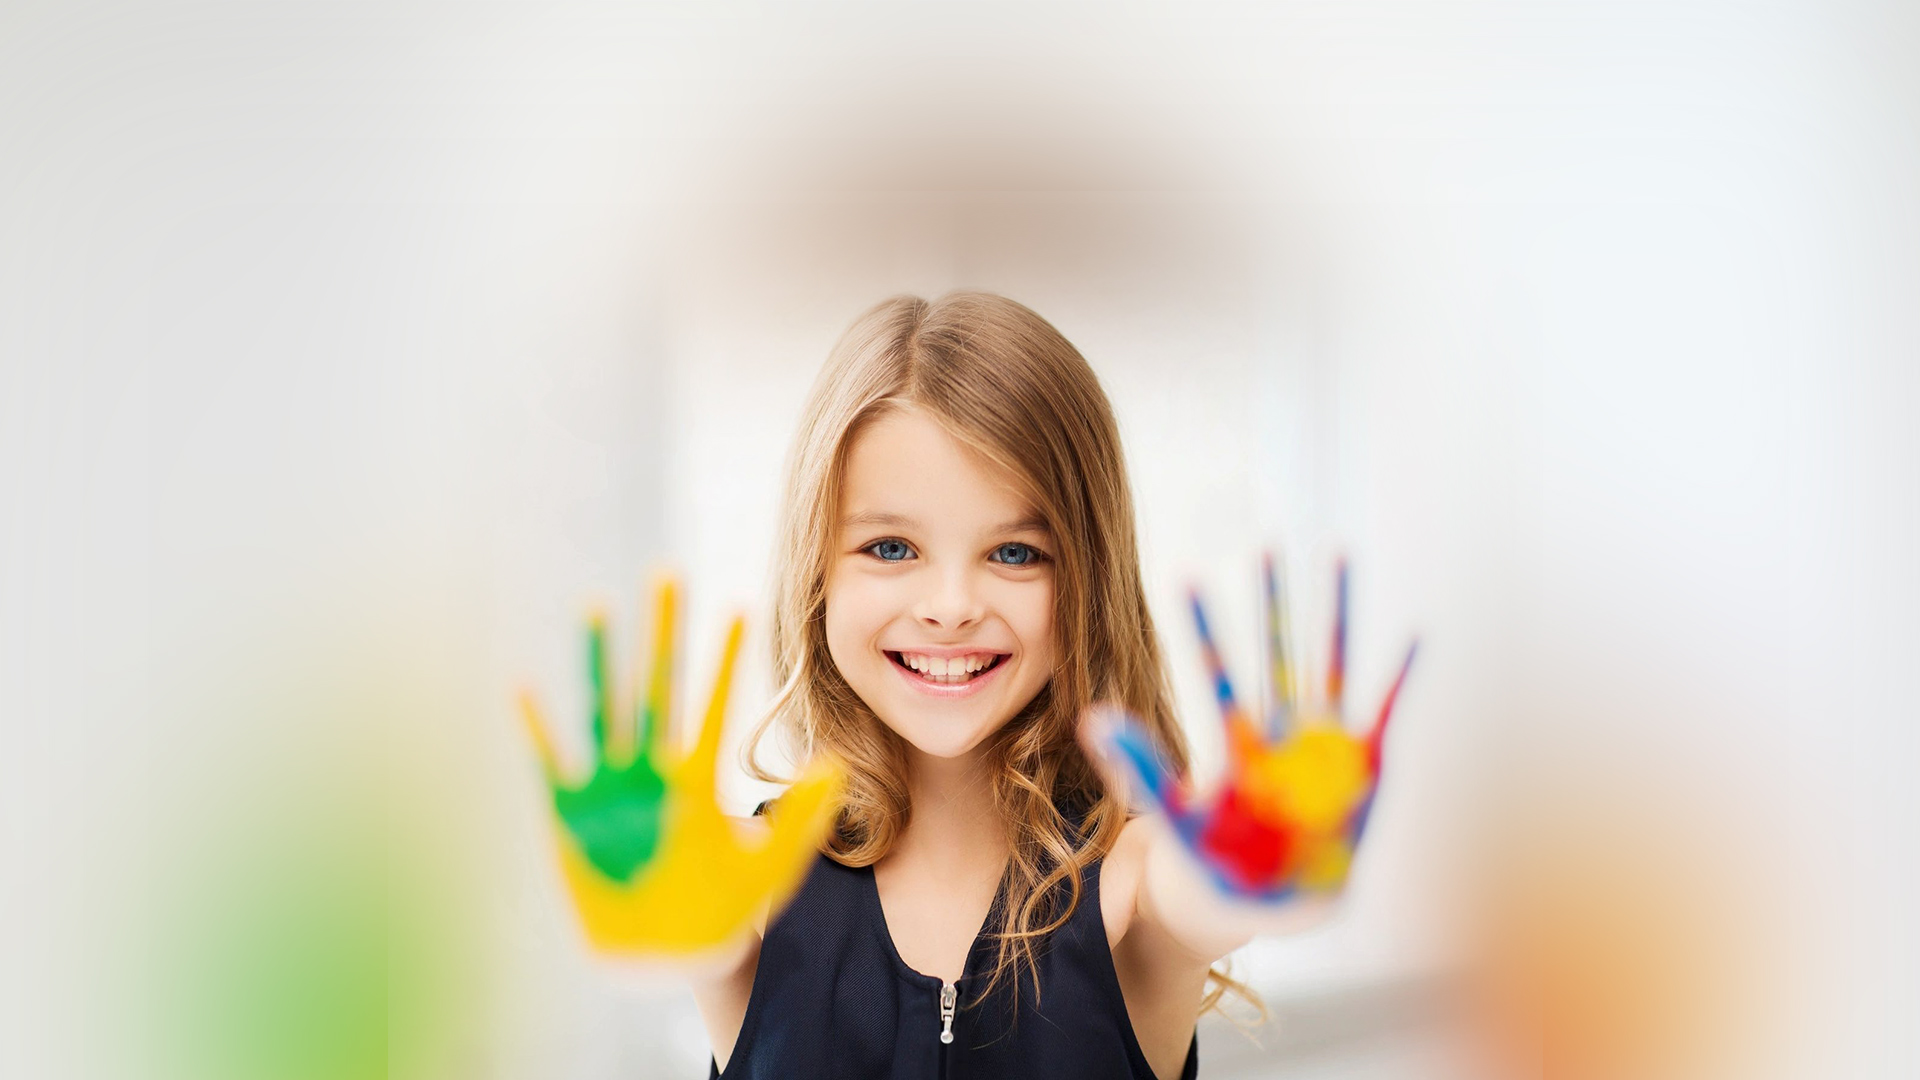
(905,470)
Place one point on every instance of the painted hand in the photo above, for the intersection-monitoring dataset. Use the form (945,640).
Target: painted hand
(1294,802)
(652,864)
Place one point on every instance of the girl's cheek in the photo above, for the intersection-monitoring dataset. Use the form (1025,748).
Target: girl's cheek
(1030,609)
(1036,596)
(860,599)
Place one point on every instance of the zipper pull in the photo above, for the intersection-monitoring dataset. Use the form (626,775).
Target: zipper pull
(948,994)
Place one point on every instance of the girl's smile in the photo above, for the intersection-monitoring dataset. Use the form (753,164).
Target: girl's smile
(946,673)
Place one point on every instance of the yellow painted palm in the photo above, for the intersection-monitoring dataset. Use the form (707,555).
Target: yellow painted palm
(653,866)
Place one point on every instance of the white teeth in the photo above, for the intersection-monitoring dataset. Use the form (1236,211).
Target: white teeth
(947,669)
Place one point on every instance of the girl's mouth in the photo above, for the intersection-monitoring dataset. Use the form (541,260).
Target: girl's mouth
(947,677)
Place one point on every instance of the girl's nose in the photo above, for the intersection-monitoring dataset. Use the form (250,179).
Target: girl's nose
(952,603)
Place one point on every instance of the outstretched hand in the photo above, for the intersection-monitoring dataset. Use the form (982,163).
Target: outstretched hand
(653,866)
(1287,816)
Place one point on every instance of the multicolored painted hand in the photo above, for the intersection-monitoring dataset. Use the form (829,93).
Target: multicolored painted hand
(1286,818)
(652,864)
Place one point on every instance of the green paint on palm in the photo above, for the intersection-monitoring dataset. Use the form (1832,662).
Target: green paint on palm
(617,815)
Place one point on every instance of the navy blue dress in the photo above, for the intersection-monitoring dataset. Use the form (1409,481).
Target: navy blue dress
(832,998)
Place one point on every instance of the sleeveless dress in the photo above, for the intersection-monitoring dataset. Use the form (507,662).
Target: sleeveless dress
(832,998)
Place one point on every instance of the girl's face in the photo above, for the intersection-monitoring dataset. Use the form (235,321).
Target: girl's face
(940,591)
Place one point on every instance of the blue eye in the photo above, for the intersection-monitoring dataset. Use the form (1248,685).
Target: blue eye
(889,550)
(1017,554)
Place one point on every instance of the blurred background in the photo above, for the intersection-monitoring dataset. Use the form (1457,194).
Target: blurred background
(349,354)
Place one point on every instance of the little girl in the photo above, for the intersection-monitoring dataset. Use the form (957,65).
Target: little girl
(957,582)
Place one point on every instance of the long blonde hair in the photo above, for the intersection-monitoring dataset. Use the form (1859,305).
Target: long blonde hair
(1004,382)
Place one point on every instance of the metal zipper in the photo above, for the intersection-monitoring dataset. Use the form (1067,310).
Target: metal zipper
(949,993)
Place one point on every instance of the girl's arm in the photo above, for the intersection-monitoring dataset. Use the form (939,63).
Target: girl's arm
(1165,933)
(723,981)
(722,997)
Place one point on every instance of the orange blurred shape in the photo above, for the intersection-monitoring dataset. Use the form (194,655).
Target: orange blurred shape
(1609,951)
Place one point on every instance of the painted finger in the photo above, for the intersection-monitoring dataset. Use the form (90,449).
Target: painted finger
(800,822)
(1337,654)
(537,733)
(1279,674)
(1242,739)
(1128,755)
(597,681)
(1377,736)
(699,765)
(653,720)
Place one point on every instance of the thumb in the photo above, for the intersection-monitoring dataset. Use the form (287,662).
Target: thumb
(1130,761)
(799,822)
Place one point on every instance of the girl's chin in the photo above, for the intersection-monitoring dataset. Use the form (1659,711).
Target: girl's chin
(944,753)
(940,741)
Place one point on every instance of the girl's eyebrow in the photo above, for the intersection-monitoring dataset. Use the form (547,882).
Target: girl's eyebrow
(878,517)
(1030,523)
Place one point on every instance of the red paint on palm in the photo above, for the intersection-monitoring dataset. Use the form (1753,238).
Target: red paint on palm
(1252,850)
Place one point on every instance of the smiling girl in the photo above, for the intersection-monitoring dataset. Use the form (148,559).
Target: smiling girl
(957,581)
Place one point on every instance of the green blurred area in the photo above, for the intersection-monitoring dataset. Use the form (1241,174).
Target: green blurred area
(305,945)
(288,979)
